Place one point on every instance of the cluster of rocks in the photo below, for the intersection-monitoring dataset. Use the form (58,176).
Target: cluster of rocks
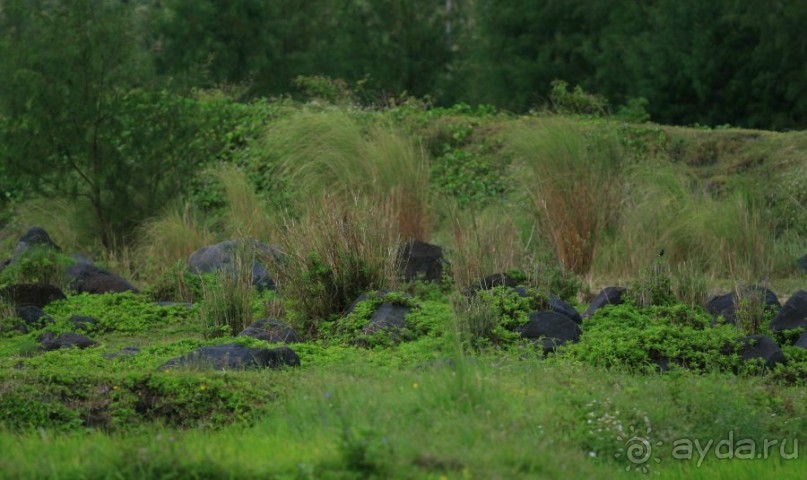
(558,323)
(29,299)
(81,276)
(555,324)
(725,308)
(418,260)
(790,316)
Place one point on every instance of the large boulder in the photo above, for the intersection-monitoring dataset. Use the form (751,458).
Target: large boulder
(608,296)
(802,341)
(85,278)
(232,356)
(388,317)
(421,261)
(552,329)
(34,237)
(36,294)
(793,313)
(559,306)
(223,257)
(272,331)
(50,341)
(726,306)
(760,347)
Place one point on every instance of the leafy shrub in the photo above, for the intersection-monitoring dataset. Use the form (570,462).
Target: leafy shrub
(467,166)
(333,91)
(26,407)
(577,101)
(38,265)
(635,111)
(645,338)
(654,286)
(492,316)
(119,312)
(185,399)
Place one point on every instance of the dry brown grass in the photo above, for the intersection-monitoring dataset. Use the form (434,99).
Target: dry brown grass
(573,179)
(483,244)
(333,253)
(171,238)
(334,153)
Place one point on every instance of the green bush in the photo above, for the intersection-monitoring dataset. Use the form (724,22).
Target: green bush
(492,316)
(643,339)
(38,265)
(120,312)
(577,101)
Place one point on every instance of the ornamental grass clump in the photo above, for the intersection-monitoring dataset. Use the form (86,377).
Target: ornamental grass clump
(333,152)
(573,179)
(226,306)
(333,253)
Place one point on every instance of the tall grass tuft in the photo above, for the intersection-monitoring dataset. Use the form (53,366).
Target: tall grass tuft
(171,237)
(573,179)
(226,306)
(332,152)
(668,210)
(475,320)
(67,222)
(8,313)
(245,216)
(482,244)
(689,284)
(752,311)
(336,251)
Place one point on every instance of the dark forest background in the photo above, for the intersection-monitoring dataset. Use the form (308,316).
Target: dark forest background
(738,62)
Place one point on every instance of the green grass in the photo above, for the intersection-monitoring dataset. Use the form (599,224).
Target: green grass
(489,417)
(421,408)
(460,395)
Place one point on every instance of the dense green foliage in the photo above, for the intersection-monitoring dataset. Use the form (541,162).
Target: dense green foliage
(138,131)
